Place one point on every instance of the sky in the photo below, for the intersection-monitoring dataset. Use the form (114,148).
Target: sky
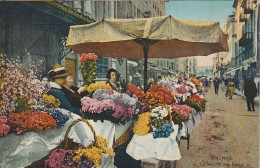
(201,10)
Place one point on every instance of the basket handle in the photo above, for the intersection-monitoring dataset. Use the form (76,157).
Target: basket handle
(165,106)
(75,122)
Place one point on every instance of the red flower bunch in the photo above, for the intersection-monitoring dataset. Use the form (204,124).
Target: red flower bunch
(90,56)
(31,121)
(196,82)
(196,99)
(133,90)
(153,98)
(4,129)
(196,102)
(158,94)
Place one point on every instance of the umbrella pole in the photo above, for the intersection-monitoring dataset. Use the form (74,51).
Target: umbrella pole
(146,50)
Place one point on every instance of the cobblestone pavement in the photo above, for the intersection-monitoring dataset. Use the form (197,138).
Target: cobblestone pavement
(228,135)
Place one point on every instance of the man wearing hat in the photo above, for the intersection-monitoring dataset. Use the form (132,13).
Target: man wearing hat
(137,80)
(250,92)
(57,75)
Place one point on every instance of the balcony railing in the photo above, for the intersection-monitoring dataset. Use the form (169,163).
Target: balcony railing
(243,17)
(247,36)
(248,6)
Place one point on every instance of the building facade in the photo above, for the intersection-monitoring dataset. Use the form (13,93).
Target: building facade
(244,46)
(36,32)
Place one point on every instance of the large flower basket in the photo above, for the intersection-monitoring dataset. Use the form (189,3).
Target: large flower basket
(67,147)
(150,146)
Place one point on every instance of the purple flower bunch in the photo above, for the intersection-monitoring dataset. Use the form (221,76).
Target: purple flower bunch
(167,84)
(141,108)
(102,94)
(96,106)
(123,112)
(18,81)
(164,131)
(59,158)
(60,115)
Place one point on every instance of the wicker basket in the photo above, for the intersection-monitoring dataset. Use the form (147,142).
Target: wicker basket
(67,143)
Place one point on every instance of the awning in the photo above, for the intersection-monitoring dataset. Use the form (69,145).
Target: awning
(61,11)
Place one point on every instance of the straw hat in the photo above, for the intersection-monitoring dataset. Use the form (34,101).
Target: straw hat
(57,71)
(137,75)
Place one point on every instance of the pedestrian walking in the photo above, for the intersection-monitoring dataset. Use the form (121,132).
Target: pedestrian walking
(216,83)
(231,88)
(250,91)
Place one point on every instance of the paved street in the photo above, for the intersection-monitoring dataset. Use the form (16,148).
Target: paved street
(228,135)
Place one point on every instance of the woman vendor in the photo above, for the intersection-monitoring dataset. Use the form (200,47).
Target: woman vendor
(61,87)
(122,159)
(111,80)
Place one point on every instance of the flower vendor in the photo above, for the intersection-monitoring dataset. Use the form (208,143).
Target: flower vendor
(111,80)
(58,83)
(122,159)
(73,93)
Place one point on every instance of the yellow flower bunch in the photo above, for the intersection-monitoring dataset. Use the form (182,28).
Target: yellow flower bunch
(50,101)
(94,154)
(102,144)
(142,125)
(100,85)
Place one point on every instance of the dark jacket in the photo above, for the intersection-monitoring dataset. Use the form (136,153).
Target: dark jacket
(216,82)
(64,101)
(250,90)
(73,96)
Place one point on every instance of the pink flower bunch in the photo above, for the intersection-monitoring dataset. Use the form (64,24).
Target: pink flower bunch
(181,90)
(4,129)
(183,110)
(95,106)
(123,112)
(90,56)
(57,158)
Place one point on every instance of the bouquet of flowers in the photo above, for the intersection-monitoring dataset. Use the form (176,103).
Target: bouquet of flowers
(88,67)
(19,87)
(61,158)
(82,157)
(181,90)
(196,102)
(169,84)
(164,131)
(100,85)
(107,109)
(142,127)
(4,129)
(158,94)
(156,121)
(30,121)
(123,112)
(180,113)
(94,152)
(135,91)
(98,110)
(50,101)
(196,82)
(102,94)
(60,115)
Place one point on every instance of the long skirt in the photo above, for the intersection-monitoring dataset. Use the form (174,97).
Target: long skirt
(230,91)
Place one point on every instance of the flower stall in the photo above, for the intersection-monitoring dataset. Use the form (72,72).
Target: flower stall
(31,124)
